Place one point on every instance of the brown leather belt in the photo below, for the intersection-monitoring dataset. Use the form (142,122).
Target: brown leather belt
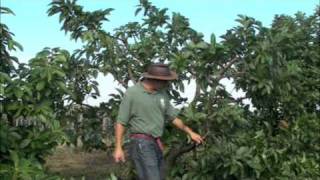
(149,138)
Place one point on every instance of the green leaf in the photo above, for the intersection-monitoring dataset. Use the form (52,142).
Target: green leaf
(43,119)
(59,73)
(61,58)
(113,177)
(96,89)
(10,45)
(5,10)
(242,151)
(40,85)
(213,41)
(19,46)
(120,92)
(49,75)
(25,143)
(13,106)
(28,90)
(192,45)
(185,177)
(15,135)
(18,93)
(187,54)
(137,11)
(18,112)
(14,157)
(202,45)
(233,169)
(43,54)
(95,74)
(4,77)
(87,36)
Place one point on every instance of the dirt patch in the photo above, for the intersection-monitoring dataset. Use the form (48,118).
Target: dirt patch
(72,162)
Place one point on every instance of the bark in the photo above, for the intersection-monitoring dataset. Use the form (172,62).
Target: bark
(175,153)
(225,68)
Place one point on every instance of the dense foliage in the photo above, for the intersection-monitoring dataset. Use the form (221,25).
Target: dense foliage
(29,99)
(275,136)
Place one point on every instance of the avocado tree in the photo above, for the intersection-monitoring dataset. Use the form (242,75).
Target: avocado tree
(36,98)
(29,96)
(278,69)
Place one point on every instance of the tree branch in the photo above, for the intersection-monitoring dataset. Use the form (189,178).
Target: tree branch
(174,153)
(122,82)
(197,92)
(177,152)
(131,75)
(225,68)
(126,45)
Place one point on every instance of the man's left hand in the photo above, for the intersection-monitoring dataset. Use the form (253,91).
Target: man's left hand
(196,138)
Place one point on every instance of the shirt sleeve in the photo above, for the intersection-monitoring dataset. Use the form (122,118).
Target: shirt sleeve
(171,112)
(124,112)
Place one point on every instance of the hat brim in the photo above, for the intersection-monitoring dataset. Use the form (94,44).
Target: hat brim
(173,76)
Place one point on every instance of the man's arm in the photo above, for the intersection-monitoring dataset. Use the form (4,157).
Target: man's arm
(122,119)
(194,136)
(118,152)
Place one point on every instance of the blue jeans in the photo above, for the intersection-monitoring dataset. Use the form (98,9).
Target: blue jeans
(147,159)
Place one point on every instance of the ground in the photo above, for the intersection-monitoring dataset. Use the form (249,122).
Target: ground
(71,162)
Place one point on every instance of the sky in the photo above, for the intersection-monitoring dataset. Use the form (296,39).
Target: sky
(34,30)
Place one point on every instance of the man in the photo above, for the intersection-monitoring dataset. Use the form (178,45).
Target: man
(144,110)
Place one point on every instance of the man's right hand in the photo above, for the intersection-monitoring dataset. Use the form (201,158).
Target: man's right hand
(118,155)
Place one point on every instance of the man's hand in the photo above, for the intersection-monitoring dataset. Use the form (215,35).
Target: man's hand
(118,155)
(196,138)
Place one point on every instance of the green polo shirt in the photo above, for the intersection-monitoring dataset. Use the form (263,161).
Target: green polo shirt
(145,112)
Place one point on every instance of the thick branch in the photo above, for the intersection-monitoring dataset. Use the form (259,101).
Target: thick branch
(240,99)
(225,68)
(198,89)
(177,152)
(123,83)
(197,93)
(131,75)
(126,45)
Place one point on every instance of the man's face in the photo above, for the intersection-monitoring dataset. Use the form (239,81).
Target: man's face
(160,84)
